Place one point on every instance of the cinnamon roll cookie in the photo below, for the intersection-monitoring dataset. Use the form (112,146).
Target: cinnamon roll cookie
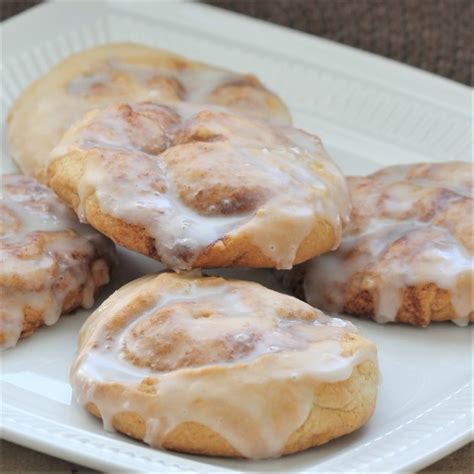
(223,368)
(201,186)
(122,72)
(49,263)
(407,255)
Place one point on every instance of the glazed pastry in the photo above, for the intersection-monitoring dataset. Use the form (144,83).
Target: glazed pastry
(49,263)
(223,368)
(407,255)
(122,72)
(201,186)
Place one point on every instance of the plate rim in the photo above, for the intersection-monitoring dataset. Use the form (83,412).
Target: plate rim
(21,427)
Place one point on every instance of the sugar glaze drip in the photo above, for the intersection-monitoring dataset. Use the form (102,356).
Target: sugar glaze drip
(202,349)
(411,225)
(46,255)
(194,175)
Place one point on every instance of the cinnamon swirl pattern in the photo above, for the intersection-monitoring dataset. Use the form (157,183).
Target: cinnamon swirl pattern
(49,263)
(201,186)
(122,72)
(222,367)
(407,254)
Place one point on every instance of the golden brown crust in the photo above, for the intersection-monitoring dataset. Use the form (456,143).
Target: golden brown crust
(49,263)
(420,304)
(203,158)
(33,318)
(338,409)
(407,254)
(230,252)
(160,340)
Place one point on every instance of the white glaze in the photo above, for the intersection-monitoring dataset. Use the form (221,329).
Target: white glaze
(45,255)
(127,72)
(403,206)
(290,169)
(190,84)
(307,352)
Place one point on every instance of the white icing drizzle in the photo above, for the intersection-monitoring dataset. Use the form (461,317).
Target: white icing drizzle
(252,178)
(200,85)
(411,225)
(122,72)
(45,255)
(190,328)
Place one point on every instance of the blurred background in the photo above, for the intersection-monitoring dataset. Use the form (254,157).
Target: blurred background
(434,35)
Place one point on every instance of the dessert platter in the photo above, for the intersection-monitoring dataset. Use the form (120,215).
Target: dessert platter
(223,257)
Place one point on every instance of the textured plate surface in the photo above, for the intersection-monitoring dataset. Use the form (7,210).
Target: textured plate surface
(370,112)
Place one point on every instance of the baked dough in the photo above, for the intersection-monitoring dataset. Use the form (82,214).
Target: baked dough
(122,72)
(407,255)
(222,367)
(49,263)
(201,186)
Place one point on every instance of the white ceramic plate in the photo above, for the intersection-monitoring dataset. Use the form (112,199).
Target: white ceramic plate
(370,112)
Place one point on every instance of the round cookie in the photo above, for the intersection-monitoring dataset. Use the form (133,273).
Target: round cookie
(222,367)
(407,255)
(122,72)
(201,186)
(49,263)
